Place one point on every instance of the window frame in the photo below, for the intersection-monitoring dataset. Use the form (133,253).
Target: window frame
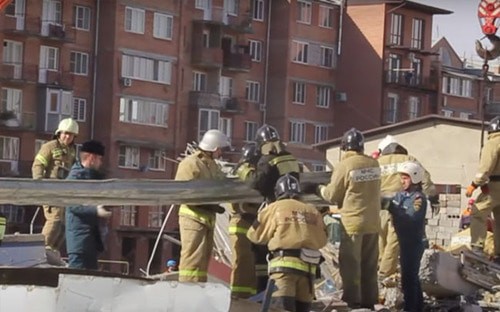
(156,160)
(258,10)
(135,152)
(329,17)
(417,33)
(250,126)
(323,97)
(144,112)
(320,133)
(299,90)
(300,52)
(255,50)
(396,30)
(79,63)
(85,19)
(252,91)
(297,132)
(79,109)
(169,23)
(304,12)
(138,29)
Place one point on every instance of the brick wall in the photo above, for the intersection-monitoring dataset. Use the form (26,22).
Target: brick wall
(444,223)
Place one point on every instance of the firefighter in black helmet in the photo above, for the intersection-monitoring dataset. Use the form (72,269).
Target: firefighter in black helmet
(274,162)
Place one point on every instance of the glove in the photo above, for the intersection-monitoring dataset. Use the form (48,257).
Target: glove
(309,187)
(470,189)
(485,189)
(102,212)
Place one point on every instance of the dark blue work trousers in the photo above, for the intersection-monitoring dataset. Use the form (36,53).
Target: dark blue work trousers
(411,254)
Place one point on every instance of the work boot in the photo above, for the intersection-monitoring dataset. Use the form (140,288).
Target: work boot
(477,250)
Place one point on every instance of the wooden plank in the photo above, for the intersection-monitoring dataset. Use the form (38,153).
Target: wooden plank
(146,192)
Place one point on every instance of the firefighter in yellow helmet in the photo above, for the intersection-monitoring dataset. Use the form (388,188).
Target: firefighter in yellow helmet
(249,265)
(197,223)
(53,161)
(294,232)
(274,162)
(391,156)
(487,179)
(355,188)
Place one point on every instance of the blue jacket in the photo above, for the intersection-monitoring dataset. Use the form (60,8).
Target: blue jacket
(82,222)
(408,216)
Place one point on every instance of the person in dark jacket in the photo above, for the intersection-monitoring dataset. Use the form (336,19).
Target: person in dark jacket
(274,163)
(83,222)
(408,210)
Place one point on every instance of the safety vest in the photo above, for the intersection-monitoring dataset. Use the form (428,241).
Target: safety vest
(3,226)
(285,164)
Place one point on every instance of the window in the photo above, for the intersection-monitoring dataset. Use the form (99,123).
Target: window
(413,107)
(253,91)
(128,215)
(201,4)
(394,66)
(155,216)
(323,96)
(49,58)
(327,57)
(12,101)
(147,69)
(199,81)
(156,160)
(208,119)
(392,108)
(299,93)
(9,148)
(304,12)
(299,52)
(134,20)
(320,133)
(232,6)
(128,156)
(59,105)
(38,145)
(297,132)
(255,50)
(12,52)
(325,16)
(258,10)
(163,25)
(143,112)
(52,12)
(79,109)
(250,130)
(447,113)
(396,35)
(457,86)
(417,71)
(82,17)
(14,214)
(225,126)
(78,63)
(465,116)
(417,33)
(318,167)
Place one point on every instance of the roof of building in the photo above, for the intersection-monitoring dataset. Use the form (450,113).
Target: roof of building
(436,119)
(409,4)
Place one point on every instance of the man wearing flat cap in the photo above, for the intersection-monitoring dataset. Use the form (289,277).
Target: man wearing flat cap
(84,222)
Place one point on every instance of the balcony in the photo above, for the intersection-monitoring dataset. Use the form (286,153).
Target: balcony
(492,108)
(233,105)
(201,99)
(241,23)
(57,32)
(18,121)
(409,79)
(237,61)
(18,73)
(206,57)
(63,79)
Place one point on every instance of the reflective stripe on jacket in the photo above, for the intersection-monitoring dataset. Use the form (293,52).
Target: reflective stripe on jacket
(53,160)
(284,264)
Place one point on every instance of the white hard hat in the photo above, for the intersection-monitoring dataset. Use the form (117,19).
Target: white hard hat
(413,169)
(67,125)
(212,140)
(386,141)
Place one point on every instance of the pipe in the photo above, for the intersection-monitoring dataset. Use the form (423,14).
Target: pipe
(94,82)
(341,22)
(266,70)
(33,219)
(403,3)
(158,238)
(179,82)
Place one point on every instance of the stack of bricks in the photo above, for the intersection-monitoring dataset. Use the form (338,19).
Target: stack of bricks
(444,223)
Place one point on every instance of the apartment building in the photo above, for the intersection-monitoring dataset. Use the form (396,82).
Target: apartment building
(386,53)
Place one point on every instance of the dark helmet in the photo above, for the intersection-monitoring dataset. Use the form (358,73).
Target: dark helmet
(353,140)
(494,125)
(287,186)
(250,153)
(266,133)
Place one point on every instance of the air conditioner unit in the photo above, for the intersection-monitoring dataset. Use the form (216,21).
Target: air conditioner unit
(127,82)
(341,97)
(262,107)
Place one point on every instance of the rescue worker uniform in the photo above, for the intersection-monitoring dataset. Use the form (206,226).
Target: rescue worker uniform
(287,226)
(53,161)
(488,179)
(197,222)
(355,188)
(274,163)
(391,157)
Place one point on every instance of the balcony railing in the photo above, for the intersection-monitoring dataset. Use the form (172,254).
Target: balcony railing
(409,79)
(241,22)
(50,29)
(56,78)
(237,61)
(206,57)
(204,99)
(233,105)
(18,72)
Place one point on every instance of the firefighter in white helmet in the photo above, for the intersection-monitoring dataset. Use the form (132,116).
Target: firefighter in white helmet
(408,210)
(197,222)
(53,161)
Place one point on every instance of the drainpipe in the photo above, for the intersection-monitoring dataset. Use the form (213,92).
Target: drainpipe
(179,80)
(343,3)
(266,71)
(94,82)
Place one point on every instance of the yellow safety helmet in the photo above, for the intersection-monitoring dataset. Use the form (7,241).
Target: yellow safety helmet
(67,125)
